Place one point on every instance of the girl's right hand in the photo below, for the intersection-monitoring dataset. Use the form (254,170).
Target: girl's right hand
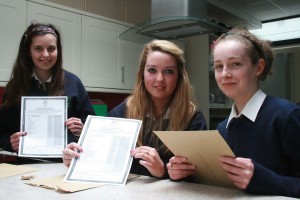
(239,170)
(178,168)
(15,140)
(72,150)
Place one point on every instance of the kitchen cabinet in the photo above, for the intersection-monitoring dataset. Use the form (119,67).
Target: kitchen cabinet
(13,24)
(132,54)
(69,24)
(107,61)
(101,53)
(91,45)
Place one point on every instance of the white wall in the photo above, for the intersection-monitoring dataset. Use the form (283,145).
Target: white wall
(197,55)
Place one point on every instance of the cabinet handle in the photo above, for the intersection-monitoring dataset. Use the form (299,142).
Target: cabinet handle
(123,69)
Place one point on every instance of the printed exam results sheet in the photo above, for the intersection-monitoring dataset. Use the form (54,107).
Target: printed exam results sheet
(106,143)
(43,118)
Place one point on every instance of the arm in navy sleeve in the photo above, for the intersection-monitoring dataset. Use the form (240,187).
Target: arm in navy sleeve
(118,111)
(265,181)
(197,122)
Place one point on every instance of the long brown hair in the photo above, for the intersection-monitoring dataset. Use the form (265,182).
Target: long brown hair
(19,82)
(181,107)
(256,48)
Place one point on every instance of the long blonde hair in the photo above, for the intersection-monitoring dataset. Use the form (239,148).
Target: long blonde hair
(181,107)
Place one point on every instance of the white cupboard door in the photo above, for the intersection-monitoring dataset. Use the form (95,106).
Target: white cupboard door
(13,24)
(101,53)
(132,52)
(69,24)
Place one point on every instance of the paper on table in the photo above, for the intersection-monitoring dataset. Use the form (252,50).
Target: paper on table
(203,149)
(57,183)
(7,170)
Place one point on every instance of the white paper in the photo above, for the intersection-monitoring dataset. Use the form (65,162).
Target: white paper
(43,119)
(106,143)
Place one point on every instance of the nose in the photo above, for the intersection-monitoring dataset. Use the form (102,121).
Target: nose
(225,71)
(159,77)
(45,53)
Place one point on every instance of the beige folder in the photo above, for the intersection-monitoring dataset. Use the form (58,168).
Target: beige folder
(203,149)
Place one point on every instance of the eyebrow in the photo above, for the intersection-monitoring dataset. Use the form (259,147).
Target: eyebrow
(172,66)
(150,66)
(230,58)
(39,45)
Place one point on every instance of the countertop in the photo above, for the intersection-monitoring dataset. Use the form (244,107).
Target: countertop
(143,188)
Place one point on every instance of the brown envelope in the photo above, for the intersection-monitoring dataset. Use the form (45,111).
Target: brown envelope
(7,170)
(203,149)
(57,183)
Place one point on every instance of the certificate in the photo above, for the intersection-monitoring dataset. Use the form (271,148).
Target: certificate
(203,149)
(43,118)
(106,143)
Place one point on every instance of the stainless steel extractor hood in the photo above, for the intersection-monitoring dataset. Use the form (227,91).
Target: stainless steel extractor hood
(174,19)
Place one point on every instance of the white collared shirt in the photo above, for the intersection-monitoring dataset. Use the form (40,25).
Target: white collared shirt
(37,78)
(251,109)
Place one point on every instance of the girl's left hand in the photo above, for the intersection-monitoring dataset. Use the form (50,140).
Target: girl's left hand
(74,125)
(150,159)
(239,170)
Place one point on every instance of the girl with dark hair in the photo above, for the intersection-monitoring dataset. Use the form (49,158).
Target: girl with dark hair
(38,71)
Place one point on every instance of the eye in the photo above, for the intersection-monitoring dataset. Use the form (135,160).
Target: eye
(169,71)
(38,48)
(52,49)
(235,65)
(218,67)
(151,70)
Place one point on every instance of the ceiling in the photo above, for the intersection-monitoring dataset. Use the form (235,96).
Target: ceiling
(251,13)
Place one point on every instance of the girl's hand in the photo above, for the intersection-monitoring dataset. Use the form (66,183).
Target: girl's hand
(72,150)
(178,168)
(239,170)
(15,140)
(74,125)
(150,159)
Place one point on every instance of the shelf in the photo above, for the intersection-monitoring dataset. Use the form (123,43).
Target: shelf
(220,106)
(217,114)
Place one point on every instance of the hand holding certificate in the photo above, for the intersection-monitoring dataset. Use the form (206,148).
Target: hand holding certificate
(43,119)
(106,144)
(203,149)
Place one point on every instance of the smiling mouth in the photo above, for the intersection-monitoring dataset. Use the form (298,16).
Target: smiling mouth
(225,84)
(45,61)
(159,87)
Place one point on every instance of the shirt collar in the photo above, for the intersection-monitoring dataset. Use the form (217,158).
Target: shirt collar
(37,78)
(251,109)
